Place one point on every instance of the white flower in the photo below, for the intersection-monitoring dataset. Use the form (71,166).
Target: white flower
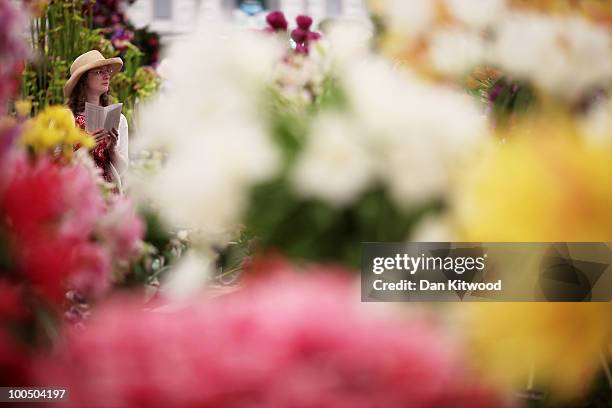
(378,94)
(597,124)
(415,130)
(565,56)
(188,278)
(210,124)
(206,180)
(433,228)
(478,14)
(455,52)
(413,171)
(410,17)
(348,41)
(334,166)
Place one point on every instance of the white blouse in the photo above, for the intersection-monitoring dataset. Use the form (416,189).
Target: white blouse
(120,156)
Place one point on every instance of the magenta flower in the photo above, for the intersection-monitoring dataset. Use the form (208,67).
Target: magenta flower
(285,341)
(299,35)
(304,22)
(313,36)
(277,21)
(301,49)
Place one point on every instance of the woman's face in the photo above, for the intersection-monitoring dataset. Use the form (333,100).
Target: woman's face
(98,79)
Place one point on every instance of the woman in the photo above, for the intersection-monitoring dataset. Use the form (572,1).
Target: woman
(89,81)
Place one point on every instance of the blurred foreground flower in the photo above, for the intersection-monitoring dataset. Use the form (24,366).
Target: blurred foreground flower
(551,187)
(558,347)
(562,48)
(285,341)
(54,128)
(219,93)
(546,182)
(59,230)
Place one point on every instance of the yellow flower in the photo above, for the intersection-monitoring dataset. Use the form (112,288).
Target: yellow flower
(554,346)
(54,130)
(541,182)
(23,108)
(549,185)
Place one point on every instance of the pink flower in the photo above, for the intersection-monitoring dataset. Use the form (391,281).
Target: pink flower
(285,341)
(304,22)
(50,213)
(120,228)
(277,21)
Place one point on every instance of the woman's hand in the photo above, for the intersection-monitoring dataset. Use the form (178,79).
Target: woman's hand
(111,136)
(100,135)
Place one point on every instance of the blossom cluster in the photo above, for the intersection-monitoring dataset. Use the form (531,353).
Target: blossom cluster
(60,231)
(218,146)
(565,55)
(319,349)
(299,75)
(371,127)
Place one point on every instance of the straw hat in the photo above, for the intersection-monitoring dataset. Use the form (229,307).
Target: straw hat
(85,62)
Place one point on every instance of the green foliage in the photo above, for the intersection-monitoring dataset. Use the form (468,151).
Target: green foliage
(512,99)
(162,249)
(312,230)
(289,123)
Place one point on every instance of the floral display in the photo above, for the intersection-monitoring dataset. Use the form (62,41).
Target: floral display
(63,242)
(262,153)
(555,52)
(53,211)
(329,165)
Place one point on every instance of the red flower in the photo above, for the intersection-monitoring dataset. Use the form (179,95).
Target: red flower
(11,304)
(277,21)
(304,22)
(14,361)
(287,341)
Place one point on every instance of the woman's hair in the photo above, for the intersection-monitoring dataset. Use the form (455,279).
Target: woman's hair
(78,97)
